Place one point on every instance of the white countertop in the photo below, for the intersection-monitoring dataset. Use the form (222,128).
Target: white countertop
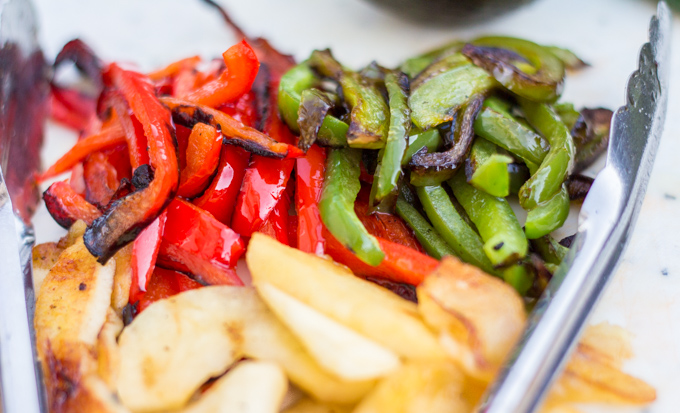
(643,296)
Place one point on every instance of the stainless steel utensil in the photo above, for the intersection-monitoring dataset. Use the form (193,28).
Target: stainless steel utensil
(606,221)
(23,91)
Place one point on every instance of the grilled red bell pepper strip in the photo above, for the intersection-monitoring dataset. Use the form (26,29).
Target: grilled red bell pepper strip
(101,180)
(235,133)
(276,224)
(194,241)
(202,157)
(265,179)
(164,284)
(385,225)
(144,254)
(66,206)
(220,197)
(71,107)
(401,264)
(129,215)
(310,172)
(111,134)
(242,67)
(174,68)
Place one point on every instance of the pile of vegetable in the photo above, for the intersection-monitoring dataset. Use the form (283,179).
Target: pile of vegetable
(385,170)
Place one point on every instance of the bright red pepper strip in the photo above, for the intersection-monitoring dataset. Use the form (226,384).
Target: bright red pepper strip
(276,225)
(174,68)
(144,254)
(401,264)
(310,172)
(71,108)
(194,240)
(164,284)
(220,197)
(66,206)
(129,215)
(242,67)
(202,157)
(111,134)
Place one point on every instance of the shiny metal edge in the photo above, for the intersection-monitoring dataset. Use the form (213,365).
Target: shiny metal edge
(19,370)
(606,222)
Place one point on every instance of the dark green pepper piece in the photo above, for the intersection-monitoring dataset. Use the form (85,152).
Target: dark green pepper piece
(523,67)
(487,170)
(341,186)
(428,237)
(436,100)
(314,106)
(504,240)
(591,136)
(368,127)
(549,249)
(430,139)
(415,65)
(389,169)
(556,165)
(569,58)
(567,113)
(453,227)
(548,216)
(333,131)
(519,173)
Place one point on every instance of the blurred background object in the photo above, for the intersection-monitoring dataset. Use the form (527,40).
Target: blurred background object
(447,12)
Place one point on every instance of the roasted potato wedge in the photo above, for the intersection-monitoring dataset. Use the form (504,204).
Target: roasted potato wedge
(333,290)
(479,318)
(307,405)
(178,343)
(419,386)
(335,347)
(44,257)
(122,279)
(250,387)
(71,309)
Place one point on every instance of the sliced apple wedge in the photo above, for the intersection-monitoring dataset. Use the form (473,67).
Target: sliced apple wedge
(335,347)
(334,291)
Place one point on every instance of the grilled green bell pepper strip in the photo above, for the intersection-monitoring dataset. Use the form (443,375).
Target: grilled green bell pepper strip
(430,139)
(549,249)
(487,170)
(413,66)
(369,114)
(453,228)
(519,173)
(525,68)
(503,130)
(567,113)
(556,165)
(548,216)
(336,206)
(435,100)
(519,277)
(568,58)
(504,240)
(428,237)
(301,77)
(387,174)
(314,107)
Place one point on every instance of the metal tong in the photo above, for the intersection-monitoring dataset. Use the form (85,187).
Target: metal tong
(606,221)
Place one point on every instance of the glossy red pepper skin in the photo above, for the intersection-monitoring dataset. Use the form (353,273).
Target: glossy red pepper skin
(144,254)
(220,197)
(401,264)
(310,172)
(276,225)
(126,217)
(194,241)
(164,284)
(66,206)
(385,225)
(202,159)
(111,135)
(242,67)
(266,178)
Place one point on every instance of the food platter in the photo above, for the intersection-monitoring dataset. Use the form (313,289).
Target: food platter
(336,46)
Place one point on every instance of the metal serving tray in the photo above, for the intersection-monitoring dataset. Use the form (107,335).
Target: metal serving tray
(606,221)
